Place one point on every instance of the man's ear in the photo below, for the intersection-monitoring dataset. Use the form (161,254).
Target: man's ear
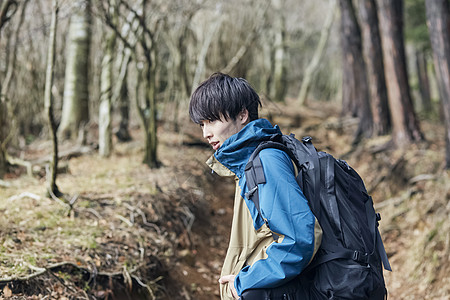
(243,117)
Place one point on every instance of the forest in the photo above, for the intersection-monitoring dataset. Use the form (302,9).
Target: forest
(104,191)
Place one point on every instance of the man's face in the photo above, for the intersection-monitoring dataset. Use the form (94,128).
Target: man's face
(216,132)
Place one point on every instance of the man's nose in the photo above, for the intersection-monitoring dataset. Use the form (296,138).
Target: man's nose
(206,132)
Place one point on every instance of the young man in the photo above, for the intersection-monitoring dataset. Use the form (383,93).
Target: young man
(257,266)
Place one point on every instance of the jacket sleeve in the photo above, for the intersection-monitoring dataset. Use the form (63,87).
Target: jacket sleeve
(286,209)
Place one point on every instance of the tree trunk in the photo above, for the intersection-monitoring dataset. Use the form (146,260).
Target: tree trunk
(75,103)
(120,91)
(3,133)
(438,19)
(123,134)
(7,10)
(355,90)
(373,54)
(405,125)
(148,112)
(266,61)
(200,68)
(51,178)
(11,68)
(104,120)
(424,82)
(280,69)
(178,86)
(151,158)
(312,66)
(104,126)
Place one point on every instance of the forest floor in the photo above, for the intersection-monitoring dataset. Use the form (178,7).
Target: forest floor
(131,232)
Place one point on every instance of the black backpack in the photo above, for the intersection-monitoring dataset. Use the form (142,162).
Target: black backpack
(348,262)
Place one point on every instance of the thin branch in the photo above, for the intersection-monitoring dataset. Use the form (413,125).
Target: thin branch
(42,270)
(125,220)
(7,10)
(12,62)
(140,18)
(20,162)
(24,195)
(109,21)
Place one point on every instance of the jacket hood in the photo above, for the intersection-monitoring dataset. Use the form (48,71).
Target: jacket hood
(236,150)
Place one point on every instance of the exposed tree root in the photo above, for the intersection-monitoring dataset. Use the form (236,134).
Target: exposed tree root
(81,282)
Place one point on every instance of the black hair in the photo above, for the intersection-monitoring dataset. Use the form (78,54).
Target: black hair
(223,96)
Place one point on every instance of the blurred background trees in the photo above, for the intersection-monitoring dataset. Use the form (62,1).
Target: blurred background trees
(438,20)
(119,61)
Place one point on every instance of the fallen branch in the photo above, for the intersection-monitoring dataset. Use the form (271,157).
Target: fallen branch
(422,177)
(24,195)
(94,212)
(42,270)
(65,155)
(125,220)
(144,218)
(40,163)
(20,162)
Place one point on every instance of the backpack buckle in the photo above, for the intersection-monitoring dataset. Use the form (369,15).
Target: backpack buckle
(250,193)
(306,139)
(360,257)
(378,216)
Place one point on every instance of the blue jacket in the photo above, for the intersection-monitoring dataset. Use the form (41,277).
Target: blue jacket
(282,204)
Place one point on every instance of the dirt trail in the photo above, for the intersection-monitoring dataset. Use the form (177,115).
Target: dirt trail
(199,268)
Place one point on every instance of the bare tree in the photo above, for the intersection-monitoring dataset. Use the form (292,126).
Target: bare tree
(7,10)
(405,125)
(121,98)
(48,100)
(3,134)
(76,95)
(130,29)
(143,50)
(438,19)
(373,54)
(355,90)
(423,80)
(177,34)
(148,109)
(200,69)
(280,52)
(324,34)
(3,117)
(10,70)
(105,132)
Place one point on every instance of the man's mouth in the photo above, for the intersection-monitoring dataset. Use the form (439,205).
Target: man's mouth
(215,145)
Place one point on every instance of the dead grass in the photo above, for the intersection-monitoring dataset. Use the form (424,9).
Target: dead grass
(126,217)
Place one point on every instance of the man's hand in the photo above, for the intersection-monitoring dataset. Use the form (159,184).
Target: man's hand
(230,280)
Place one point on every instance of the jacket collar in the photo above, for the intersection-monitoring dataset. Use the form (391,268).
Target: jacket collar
(233,155)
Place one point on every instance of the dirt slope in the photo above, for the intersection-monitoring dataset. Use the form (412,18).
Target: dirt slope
(136,233)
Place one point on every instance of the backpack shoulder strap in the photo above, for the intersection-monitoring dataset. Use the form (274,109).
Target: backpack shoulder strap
(254,175)
(254,172)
